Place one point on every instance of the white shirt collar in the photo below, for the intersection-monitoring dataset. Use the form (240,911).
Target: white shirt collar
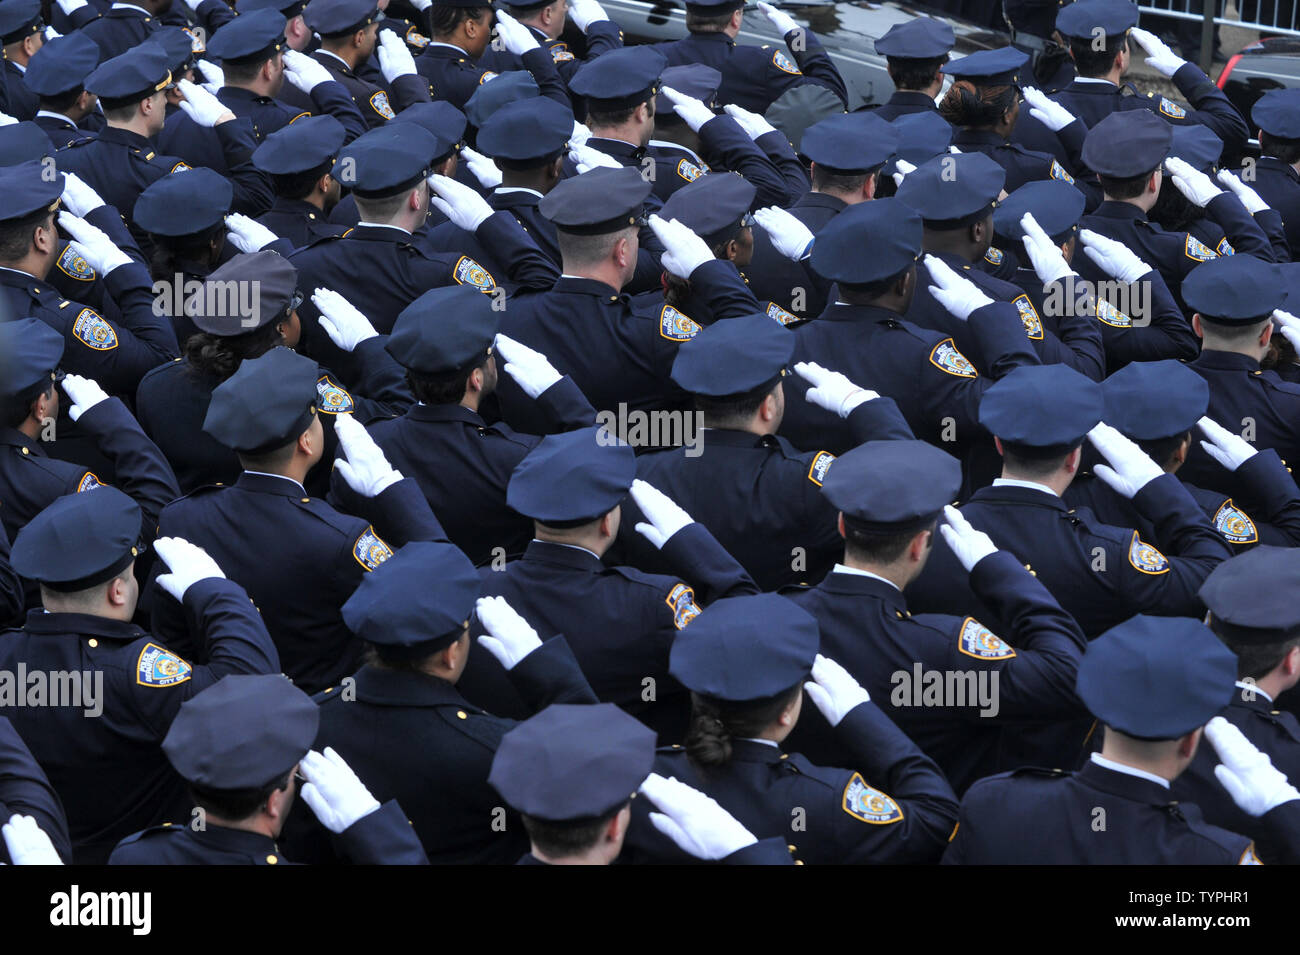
(1254,688)
(611,139)
(335,55)
(450,46)
(668,145)
(1032,485)
(1093,79)
(385,225)
(571,546)
(59,116)
(504,189)
(765,742)
(18,66)
(282,477)
(28,275)
(131,6)
(1102,761)
(845,569)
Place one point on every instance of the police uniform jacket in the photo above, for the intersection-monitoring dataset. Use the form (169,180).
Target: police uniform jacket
(61,130)
(1024,165)
(11,587)
(378,103)
(794,285)
(15,97)
(454,76)
(299,222)
(124,25)
(26,790)
(902,103)
(1278,184)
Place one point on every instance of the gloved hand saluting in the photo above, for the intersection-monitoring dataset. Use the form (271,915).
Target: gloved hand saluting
(458,202)
(509,638)
(832,390)
(833,690)
(1248,196)
(684,251)
(586,12)
(365,468)
(202,107)
(1249,776)
(95,246)
(1159,56)
(28,843)
(1289,327)
(187,564)
(694,821)
(1230,450)
(665,516)
(484,169)
(783,22)
(692,111)
(341,320)
(248,235)
(959,295)
(902,168)
(753,124)
(587,158)
(305,73)
(1113,257)
(333,792)
(514,36)
(85,393)
(214,77)
(531,369)
(1191,182)
(79,198)
(1045,255)
(967,544)
(789,236)
(1047,111)
(1130,469)
(394,57)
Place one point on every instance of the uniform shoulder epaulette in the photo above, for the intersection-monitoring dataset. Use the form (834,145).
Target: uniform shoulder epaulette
(1237,846)
(323,239)
(201,490)
(1041,772)
(322,510)
(167,828)
(77,144)
(645,578)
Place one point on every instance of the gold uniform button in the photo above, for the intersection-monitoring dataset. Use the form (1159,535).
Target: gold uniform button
(93,642)
(1275,712)
(792,848)
(898,614)
(798,861)
(306,500)
(462,715)
(25,451)
(785,755)
(271,860)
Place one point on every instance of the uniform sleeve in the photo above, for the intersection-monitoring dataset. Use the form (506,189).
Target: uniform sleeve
(213,15)
(1273,496)
(879,420)
(1162,333)
(1270,220)
(1213,109)
(25,789)
(565,407)
(398,514)
(407,90)
(376,383)
(814,62)
(141,471)
(550,674)
(602,36)
(999,332)
(332,98)
(11,586)
(1239,226)
(723,138)
(117,355)
(540,63)
(254,193)
(109,220)
(527,265)
(778,149)
(697,557)
(1078,341)
(724,290)
(382,837)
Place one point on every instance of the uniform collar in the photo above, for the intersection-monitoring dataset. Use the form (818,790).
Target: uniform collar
(1272,162)
(858,572)
(1126,785)
(1114,767)
(262,483)
(821,200)
(241,841)
(1262,700)
(585,286)
(334,60)
(548,552)
(447,412)
(911,98)
(124,137)
(57,117)
(521,191)
(379,233)
(755,751)
(406,688)
(1100,82)
(1031,485)
(297,207)
(844,312)
(1114,209)
(237,94)
(81,624)
(15,438)
(620,150)
(1225,361)
(844,580)
(125,9)
(976,137)
(663,144)
(446,49)
(1017,494)
(735,438)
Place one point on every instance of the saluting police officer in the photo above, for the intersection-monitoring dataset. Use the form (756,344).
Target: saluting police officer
(22,34)
(1276,116)
(546,19)
(300,160)
(57,75)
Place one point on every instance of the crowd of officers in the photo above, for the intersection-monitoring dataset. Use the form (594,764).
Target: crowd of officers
(343,518)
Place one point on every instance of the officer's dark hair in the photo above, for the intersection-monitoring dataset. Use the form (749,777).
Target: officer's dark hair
(14,409)
(582,250)
(880,547)
(616,117)
(1173,210)
(219,357)
(1284,150)
(171,250)
(909,73)
(410,658)
(444,388)
(966,104)
(867,292)
(1234,333)
(715,723)
(1035,462)
(729,411)
(699,21)
(827,179)
(1254,660)
(1130,187)
(122,111)
(298,185)
(520,13)
(383,208)
(444,18)
(16,234)
(271,461)
(1161,450)
(244,70)
(236,804)
(1093,63)
(559,840)
(60,101)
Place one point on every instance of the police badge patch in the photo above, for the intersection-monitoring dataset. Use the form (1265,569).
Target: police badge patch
(1232,522)
(993,256)
(88,482)
(416,39)
(821,463)
(1109,314)
(1029,315)
(75,266)
(332,398)
(869,805)
(93,331)
(682,601)
(946,356)
(180,167)
(559,53)
(379,102)
(675,326)
(469,272)
(1225,247)
(784,63)
(159,667)
(1197,250)
(370,550)
(487,75)
(778,314)
(1171,109)
(1146,558)
(1059,173)
(978,641)
(688,170)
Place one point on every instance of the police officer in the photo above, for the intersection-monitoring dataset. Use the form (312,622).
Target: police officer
(915,52)
(1101,574)
(754,491)
(1161,405)
(241,745)
(56,74)
(462,464)
(22,34)
(1154,683)
(745,661)
(119,28)
(109,772)
(402,720)
(26,791)
(310,556)
(890,495)
(300,161)
(620,621)
(546,20)
(1276,115)
(620,90)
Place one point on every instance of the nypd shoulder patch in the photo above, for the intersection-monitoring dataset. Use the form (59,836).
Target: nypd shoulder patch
(416,39)
(560,53)
(159,667)
(1058,172)
(821,463)
(1198,251)
(487,75)
(784,63)
(469,272)
(180,167)
(302,115)
(1146,558)
(1234,524)
(864,803)
(778,314)
(1171,109)
(946,357)
(93,331)
(978,641)
(88,482)
(675,326)
(682,601)
(75,266)
(1109,314)
(1225,247)
(688,170)
(370,549)
(1029,315)
(379,103)
(196,40)
(332,398)
(993,256)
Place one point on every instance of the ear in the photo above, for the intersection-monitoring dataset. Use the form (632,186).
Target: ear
(997,443)
(1291,662)
(1266,335)
(324,182)
(1180,453)
(1196,325)
(871,185)
(730,249)
(737,17)
(1153,184)
(1187,745)
(839,525)
(359,39)
(304,444)
(920,544)
(475,382)
(1075,459)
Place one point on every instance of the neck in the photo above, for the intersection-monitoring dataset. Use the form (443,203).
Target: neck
(848,198)
(260,86)
(590,540)
(535,179)
(895,574)
(471,400)
(755,425)
(33,263)
(628,133)
(17,53)
(607,272)
(315,198)
(349,54)
(1251,350)
(956,242)
(295,470)
(31,428)
(596,855)
(262,824)
(552,32)
(138,125)
(1168,767)
(680,134)
(1058,481)
(1143,202)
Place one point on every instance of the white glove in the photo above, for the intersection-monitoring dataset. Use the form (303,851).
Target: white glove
(580,135)
(52,34)
(1289,326)
(28,843)
(515,37)
(1113,257)
(1159,57)
(365,468)
(901,170)
(96,247)
(684,251)
(789,236)
(79,198)
(215,77)
(7,120)
(1248,196)
(832,390)
(333,792)
(1249,776)
(509,638)
(1045,255)
(484,169)
(248,235)
(783,22)
(1130,469)
(85,393)
(969,545)
(531,369)
(394,56)
(422,5)
(193,4)
(959,295)
(458,202)
(666,517)
(1191,182)
(342,321)
(694,821)
(306,73)
(1047,111)
(586,12)
(587,158)
(833,690)
(188,564)
(753,124)
(201,106)
(1230,450)
(692,111)
(71,6)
